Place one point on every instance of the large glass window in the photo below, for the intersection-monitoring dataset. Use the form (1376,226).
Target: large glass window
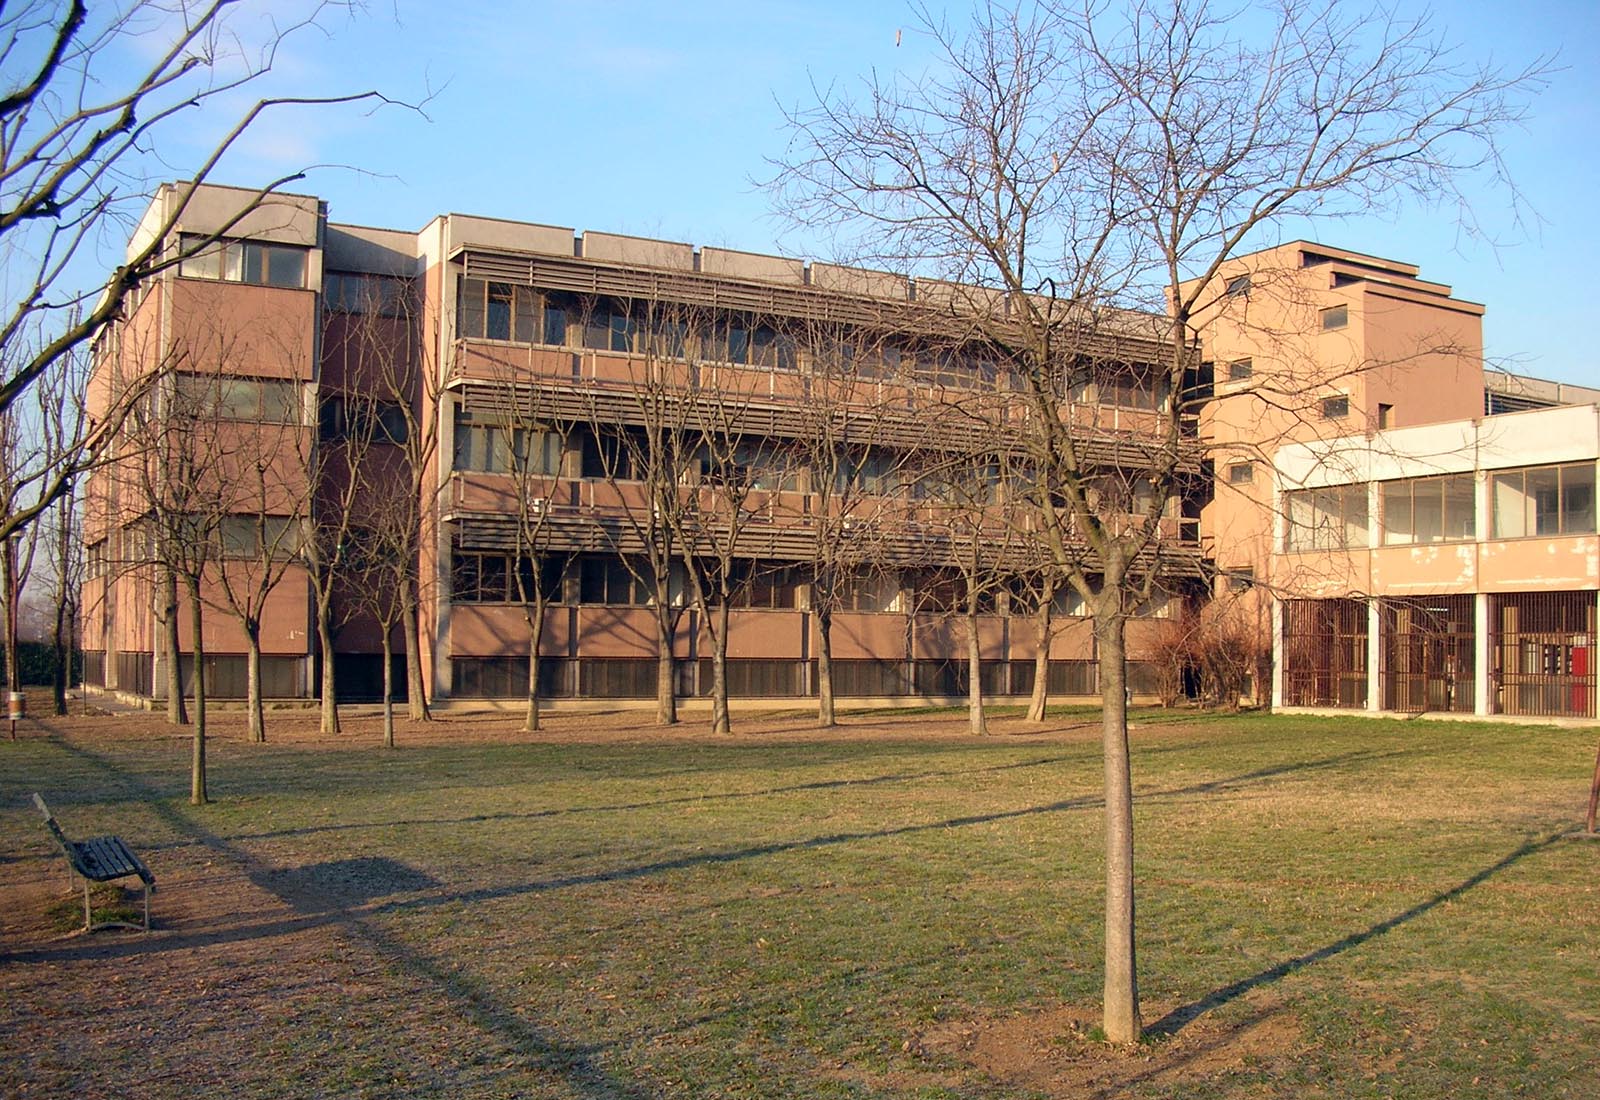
(255,536)
(491,577)
(489,447)
(227,397)
(1430,509)
(759,466)
(507,311)
(1543,500)
(1334,518)
(877,592)
(608,580)
(245,262)
(872,471)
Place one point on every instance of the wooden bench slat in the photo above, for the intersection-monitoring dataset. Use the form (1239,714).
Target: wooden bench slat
(108,858)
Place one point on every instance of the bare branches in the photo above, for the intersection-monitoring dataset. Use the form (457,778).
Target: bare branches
(1082,159)
(75,155)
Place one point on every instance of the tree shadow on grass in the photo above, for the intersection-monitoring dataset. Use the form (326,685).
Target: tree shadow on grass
(1175,1020)
(539,1048)
(315,906)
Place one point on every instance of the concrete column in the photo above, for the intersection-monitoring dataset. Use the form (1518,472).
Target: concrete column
(1374,654)
(1480,654)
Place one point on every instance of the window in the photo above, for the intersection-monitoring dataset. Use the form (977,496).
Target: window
(1158,606)
(488,577)
(1327,519)
(608,580)
(1068,602)
(1335,408)
(767,587)
(1131,392)
(871,592)
(508,311)
(494,448)
(244,262)
(1241,578)
(773,349)
(1431,509)
(608,454)
(754,466)
(363,420)
(1242,473)
(254,536)
(359,292)
(1385,416)
(873,472)
(1240,370)
(1335,318)
(1544,500)
(1238,287)
(608,326)
(225,397)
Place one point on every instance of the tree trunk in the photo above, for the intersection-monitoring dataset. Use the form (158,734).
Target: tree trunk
(63,673)
(975,717)
(1121,1022)
(721,721)
(197,769)
(177,712)
(666,680)
(1041,664)
(258,723)
(329,693)
(535,632)
(825,711)
(416,695)
(388,688)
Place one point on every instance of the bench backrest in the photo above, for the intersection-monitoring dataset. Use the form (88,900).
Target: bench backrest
(68,849)
(50,823)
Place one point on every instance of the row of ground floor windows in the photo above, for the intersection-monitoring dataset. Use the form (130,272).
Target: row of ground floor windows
(359,677)
(1541,653)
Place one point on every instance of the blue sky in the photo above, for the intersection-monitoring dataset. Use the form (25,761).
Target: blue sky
(652,118)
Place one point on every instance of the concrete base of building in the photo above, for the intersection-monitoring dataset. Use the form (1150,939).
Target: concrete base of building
(1442,716)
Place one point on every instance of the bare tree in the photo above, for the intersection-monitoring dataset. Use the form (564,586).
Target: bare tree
(366,466)
(174,497)
(641,445)
(740,473)
(77,139)
(59,405)
(1078,159)
(537,573)
(855,452)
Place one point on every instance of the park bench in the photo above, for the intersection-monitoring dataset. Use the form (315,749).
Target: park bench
(100,859)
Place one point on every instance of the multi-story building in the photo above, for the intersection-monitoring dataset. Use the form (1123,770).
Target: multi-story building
(1447,567)
(564,412)
(542,383)
(1412,548)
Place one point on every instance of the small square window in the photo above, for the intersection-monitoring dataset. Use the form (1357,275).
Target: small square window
(1242,473)
(1335,408)
(1241,578)
(1337,317)
(1238,286)
(1240,369)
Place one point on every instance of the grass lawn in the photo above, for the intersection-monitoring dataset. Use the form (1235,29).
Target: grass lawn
(1328,907)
